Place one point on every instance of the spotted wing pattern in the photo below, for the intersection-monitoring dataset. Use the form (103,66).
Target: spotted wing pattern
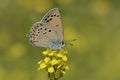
(48,30)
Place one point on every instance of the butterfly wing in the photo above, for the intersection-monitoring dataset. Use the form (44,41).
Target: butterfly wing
(53,19)
(48,30)
(41,34)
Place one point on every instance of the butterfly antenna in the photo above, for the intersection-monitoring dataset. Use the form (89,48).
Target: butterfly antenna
(69,42)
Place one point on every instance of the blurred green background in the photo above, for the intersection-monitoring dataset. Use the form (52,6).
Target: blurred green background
(94,23)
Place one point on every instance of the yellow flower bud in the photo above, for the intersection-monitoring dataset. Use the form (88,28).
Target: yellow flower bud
(51,53)
(45,52)
(39,62)
(64,58)
(59,55)
(67,67)
(42,65)
(46,59)
(63,72)
(51,70)
(53,62)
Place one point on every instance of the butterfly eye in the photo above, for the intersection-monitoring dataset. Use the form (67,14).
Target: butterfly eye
(63,43)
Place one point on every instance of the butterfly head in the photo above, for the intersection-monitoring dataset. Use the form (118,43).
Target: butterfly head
(57,44)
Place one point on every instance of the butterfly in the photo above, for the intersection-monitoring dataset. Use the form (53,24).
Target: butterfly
(48,32)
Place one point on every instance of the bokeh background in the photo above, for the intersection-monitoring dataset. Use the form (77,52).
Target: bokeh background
(95,24)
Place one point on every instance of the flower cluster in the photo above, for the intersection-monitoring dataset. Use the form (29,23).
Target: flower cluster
(54,62)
